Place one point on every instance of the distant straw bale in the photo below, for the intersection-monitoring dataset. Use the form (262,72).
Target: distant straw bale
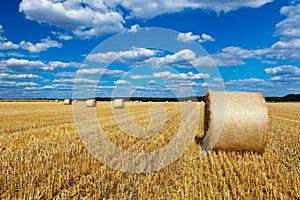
(118,103)
(91,103)
(67,101)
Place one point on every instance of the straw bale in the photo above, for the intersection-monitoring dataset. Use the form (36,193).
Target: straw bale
(244,121)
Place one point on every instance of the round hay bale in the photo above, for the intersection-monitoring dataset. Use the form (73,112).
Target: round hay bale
(67,101)
(91,103)
(118,103)
(244,121)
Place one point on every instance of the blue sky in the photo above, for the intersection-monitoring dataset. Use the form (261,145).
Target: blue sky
(48,46)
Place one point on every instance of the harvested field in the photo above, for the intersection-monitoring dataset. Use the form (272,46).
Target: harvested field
(42,157)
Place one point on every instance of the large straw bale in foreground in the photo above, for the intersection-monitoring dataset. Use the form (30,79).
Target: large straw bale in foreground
(244,116)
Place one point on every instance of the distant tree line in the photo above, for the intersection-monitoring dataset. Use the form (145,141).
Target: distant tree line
(154,99)
(287,98)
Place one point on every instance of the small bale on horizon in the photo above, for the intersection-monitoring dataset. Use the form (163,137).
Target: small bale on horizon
(67,101)
(91,103)
(118,103)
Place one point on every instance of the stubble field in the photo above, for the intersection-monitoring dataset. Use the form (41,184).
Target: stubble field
(42,157)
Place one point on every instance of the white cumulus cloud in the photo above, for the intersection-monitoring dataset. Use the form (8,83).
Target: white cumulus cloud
(17,84)
(189,36)
(134,28)
(19,76)
(121,82)
(289,27)
(99,71)
(94,18)
(152,8)
(62,36)
(1,33)
(33,48)
(130,56)
(285,69)
(21,65)
(286,50)
(206,38)
(41,46)
(8,45)
(84,18)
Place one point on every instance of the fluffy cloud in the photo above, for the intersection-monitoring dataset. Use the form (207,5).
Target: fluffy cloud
(99,71)
(130,56)
(287,74)
(152,8)
(62,36)
(289,27)
(76,80)
(206,38)
(20,65)
(66,74)
(229,56)
(17,84)
(134,28)
(41,46)
(19,76)
(189,36)
(8,45)
(291,80)
(167,75)
(180,76)
(136,77)
(232,56)
(286,50)
(1,33)
(186,58)
(59,64)
(33,48)
(84,18)
(178,82)
(288,47)
(250,84)
(251,81)
(95,18)
(121,82)
(181,59)
(229,5)
(285,69)
(237,52)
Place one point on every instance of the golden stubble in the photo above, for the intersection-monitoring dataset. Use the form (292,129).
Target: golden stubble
(42,157)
